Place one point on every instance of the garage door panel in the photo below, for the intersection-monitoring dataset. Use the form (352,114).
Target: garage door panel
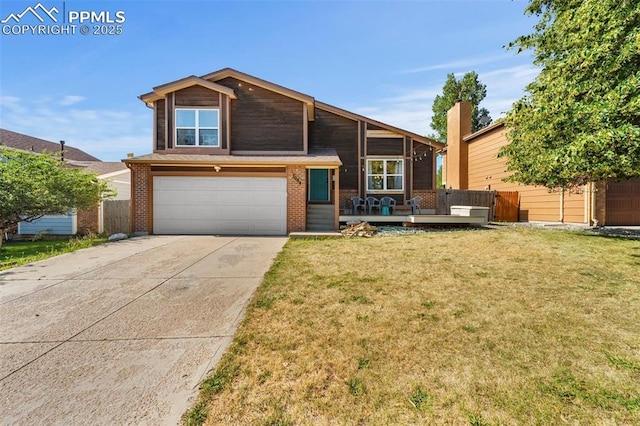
(268,198)
(272,211)
(281,185)
(219,205)
(239,198)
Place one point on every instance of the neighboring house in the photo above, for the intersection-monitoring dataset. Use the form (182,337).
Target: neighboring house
(73,222)
(471,162)
(234,154)
(29,143)
(119,176)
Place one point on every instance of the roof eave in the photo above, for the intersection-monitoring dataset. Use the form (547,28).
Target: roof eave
(482,131)
(238,163)
(159,92)
(358,117)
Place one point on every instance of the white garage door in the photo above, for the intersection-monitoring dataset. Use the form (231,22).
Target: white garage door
(219,205)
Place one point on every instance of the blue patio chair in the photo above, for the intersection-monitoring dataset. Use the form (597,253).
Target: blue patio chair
(389,202)
(414,203)
(358,203)
(372,203)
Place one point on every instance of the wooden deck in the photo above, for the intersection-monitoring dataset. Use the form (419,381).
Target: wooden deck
(417,219)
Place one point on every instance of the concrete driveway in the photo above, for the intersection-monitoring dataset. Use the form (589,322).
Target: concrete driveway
(122,333)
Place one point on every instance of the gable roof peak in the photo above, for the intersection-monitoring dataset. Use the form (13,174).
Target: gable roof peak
(247,78)
(159,92)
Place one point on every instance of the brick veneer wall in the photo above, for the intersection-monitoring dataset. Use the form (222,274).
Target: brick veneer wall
(88,220)
(429,199)
(140,192)
(345,199)
(296,199)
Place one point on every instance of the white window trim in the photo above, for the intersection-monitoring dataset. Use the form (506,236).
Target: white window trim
(197,127)
(385,175)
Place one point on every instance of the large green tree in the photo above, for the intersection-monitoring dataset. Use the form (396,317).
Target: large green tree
(469,89)
(580,118)
(33,185)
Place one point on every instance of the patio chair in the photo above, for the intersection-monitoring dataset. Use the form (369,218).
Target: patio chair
(358,203)
(389,202)
(372,203)
(414,203)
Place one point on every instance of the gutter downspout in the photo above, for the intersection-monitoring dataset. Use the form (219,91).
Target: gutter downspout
(131,199)
(592,192)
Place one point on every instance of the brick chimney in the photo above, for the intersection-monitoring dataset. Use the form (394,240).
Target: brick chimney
(457,158)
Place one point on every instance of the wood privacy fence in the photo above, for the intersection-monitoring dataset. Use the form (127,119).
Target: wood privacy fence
(503,206)
(507,206)
(463,197)
(115,214)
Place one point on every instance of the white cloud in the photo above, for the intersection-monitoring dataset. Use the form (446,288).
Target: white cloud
(70,100)
(106,134)
(460,64)
(505,86)
(12,103)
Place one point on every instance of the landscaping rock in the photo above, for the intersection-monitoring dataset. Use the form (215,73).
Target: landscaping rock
(117,237)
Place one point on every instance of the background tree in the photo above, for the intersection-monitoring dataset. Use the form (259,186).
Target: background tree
(33,185)
(439,177)
(469,89)
(580,119)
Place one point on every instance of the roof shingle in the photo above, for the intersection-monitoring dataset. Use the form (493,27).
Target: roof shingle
(29,143)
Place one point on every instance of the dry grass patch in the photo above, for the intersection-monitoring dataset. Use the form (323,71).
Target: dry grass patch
(467,327)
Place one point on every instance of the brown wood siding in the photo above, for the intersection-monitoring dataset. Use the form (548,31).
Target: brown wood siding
(486,171)
(373,127)
(223,122)
(160,124)
(262,120)
(423,167)
(197,96)
(623,202)
(329,130)
(169,117)
(362,180)
(408,166)
(385,146)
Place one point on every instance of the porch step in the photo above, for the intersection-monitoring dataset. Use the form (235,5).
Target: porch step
(320,217)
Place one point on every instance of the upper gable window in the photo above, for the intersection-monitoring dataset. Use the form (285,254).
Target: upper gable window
(197,127)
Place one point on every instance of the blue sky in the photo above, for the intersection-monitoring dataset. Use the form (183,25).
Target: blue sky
(383,59)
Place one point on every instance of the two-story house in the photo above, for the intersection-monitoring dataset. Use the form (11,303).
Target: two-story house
(234,154)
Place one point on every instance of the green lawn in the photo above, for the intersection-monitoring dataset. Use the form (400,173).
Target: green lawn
(513,326)
(16,253)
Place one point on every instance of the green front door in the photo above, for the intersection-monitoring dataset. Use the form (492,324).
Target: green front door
(318,185)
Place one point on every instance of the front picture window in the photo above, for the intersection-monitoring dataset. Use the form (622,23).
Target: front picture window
(384,175)
(197,127)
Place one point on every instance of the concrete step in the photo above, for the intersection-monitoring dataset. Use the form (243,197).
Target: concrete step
(320,209)
(320,217)
(320,222)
